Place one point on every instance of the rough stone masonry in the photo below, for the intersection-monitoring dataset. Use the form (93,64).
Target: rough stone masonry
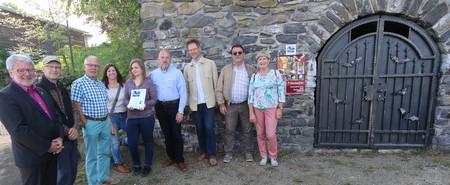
(270,25)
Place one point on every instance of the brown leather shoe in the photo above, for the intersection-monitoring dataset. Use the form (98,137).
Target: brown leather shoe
(110,181)
(182,167)
(212,161)
(169,162)
(121,168)
(201,157)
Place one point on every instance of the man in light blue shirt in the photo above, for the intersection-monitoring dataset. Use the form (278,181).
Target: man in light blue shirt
(171,95)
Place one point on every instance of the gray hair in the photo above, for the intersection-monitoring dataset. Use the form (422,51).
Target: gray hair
(17,57)
(263,54)
(88,57)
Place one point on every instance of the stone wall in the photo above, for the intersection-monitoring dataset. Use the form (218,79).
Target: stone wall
(270,25)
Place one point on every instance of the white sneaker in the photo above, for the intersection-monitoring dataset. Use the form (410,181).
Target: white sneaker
(227,158)
(273,162)
(263,161)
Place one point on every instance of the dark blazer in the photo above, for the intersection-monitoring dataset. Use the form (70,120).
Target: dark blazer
(31,130)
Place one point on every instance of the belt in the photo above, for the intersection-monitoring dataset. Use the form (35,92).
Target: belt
(238,103)
(96,119)
(169,102)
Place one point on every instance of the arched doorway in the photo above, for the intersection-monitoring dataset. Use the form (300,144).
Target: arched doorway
(376,85)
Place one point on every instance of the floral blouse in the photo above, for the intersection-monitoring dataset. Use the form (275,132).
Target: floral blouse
(266,91)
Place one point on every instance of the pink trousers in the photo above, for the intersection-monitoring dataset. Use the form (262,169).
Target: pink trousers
(266,128)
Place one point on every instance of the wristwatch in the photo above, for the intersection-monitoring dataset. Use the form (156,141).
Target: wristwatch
(181,113)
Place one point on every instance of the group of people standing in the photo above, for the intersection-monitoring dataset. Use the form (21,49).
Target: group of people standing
(44,120)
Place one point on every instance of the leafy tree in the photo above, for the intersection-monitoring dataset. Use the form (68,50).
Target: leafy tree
(120,20)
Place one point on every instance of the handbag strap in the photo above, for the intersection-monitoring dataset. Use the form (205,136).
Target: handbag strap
(115,100)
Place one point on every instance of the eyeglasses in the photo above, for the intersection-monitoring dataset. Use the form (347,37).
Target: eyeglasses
(92,65)
(193,49)
(237,53)
(22,71)
(54,67)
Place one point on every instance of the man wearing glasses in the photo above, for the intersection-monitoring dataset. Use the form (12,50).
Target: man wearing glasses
(201,77)
(232,94)
(68,158)
(90,96)
(30,116)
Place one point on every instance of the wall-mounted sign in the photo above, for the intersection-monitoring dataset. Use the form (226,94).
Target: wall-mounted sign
(293,69)
(291,49)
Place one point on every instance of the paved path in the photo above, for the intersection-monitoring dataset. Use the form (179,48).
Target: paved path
(9,173)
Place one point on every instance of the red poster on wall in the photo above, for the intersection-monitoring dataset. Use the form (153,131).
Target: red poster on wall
(292,67)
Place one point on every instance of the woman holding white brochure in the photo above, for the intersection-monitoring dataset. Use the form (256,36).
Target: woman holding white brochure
(140,98)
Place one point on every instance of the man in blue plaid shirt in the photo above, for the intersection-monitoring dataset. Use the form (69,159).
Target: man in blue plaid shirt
(90,96)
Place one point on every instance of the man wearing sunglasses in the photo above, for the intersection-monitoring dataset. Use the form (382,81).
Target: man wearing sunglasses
(232,94)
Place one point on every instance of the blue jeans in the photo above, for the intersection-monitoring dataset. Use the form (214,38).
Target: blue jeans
(204,121)
(68,163)
(141,127)
(119,121)
(97,136)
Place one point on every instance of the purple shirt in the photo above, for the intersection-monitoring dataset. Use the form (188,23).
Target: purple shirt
(150,98)
(35,95)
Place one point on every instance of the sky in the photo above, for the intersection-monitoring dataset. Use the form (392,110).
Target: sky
(74,21)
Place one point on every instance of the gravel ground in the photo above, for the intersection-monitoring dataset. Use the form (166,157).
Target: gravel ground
(329,167)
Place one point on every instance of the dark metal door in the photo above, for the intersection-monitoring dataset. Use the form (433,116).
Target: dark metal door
(376,85)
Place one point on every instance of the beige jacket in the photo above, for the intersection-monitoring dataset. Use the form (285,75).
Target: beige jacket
(225,82)
(208,72)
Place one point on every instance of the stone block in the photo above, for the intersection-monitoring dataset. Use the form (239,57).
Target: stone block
(150,54)
(272,19)
(341,11)
(338,21)
(262,11)
(364,7)
(148,35)
(319,31)
(199,21)
(173,32)
(283,122)
(254,48)
(233,9)
(300,122)
(171,44)
(429,5)
(437,13)
(182,0)
(414,8)
(226,33)
(294,28)
(351,6)
(243,40)
(178,53)
(309,132)
(252,4)
(190,8)
(302,14)
(209,30)
(149,44)
(295,131)
(287,39)
(160,35)
(267,41)
(170,10)
(211,9)
(268,3)
(443,140)
(149,24)
(165,25)
(227,22)
(151,10)
(327,24)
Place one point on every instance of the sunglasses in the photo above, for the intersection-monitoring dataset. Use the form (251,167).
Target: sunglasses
(237,53)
